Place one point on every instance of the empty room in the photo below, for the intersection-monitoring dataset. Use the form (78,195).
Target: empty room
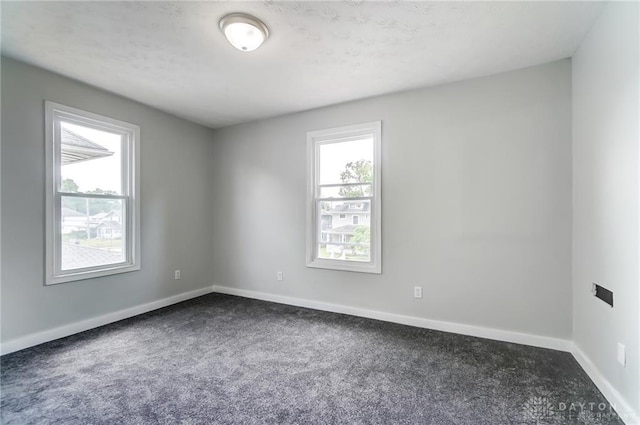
(336,212)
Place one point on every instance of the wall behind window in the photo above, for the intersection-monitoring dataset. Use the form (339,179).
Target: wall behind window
(176,204)
(476,193)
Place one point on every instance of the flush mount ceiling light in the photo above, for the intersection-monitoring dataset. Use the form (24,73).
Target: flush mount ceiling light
(243,31)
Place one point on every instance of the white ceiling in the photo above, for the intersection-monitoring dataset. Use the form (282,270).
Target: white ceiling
(171,55)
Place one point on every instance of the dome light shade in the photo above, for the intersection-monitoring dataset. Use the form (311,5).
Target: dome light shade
(243,31)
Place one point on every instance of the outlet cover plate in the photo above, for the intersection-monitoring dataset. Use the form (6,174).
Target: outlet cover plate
(417,291)
(622,354)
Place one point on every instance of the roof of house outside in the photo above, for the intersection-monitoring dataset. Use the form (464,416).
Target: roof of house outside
(103,215)
(68,212)
(345,207)
(78,256)
(76,148)
(347,229)
(69,137)
(110,224)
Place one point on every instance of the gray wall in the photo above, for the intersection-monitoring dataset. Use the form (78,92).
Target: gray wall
(476,203)
(176,206)
(605,199)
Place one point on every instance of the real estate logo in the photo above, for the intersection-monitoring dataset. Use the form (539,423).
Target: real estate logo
(537,409)
(543,408)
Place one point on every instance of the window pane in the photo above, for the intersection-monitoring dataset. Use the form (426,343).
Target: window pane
(356,191)
(92,232)
(345,232)
(91,160)
(346,162)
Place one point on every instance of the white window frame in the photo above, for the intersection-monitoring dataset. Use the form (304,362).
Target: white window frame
(336,135)
(55,113)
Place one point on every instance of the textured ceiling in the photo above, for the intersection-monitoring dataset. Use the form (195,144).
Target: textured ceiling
(171,55)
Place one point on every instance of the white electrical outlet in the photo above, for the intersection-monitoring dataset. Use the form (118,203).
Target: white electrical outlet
(280,276)
(177,274)
(622,354)
(417,291)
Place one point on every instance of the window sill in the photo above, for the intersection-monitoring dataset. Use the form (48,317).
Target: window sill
(83,275)
(350,266)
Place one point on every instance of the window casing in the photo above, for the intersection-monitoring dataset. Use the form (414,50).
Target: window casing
(343,198)
(92,195)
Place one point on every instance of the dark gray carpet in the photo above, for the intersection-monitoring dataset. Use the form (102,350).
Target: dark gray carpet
(220,359)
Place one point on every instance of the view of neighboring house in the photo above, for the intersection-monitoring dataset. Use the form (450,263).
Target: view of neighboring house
(339,224)
(109,230)
(73,221)
(90,240)
(104,225)
(108,225)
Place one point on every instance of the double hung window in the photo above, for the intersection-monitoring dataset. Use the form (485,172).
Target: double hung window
(344,208)
(92,195)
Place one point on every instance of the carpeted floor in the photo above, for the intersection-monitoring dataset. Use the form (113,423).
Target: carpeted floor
(220,359)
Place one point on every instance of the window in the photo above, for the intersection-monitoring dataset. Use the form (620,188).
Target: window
(92,195)
(344,177)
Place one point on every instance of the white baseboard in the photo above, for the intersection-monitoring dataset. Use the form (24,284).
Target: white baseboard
(84,325)
(478,331)
(623,408)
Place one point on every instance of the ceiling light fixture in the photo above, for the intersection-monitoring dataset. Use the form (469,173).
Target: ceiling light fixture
(243,31)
